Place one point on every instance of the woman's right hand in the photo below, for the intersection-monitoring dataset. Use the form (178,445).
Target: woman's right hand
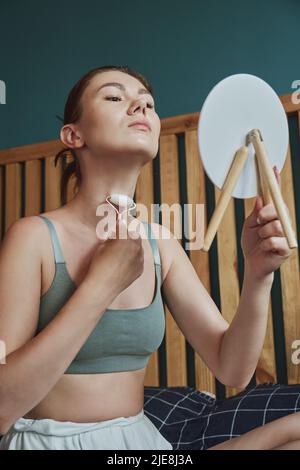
(120,258)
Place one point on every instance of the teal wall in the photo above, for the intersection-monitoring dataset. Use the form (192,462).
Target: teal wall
(183,47)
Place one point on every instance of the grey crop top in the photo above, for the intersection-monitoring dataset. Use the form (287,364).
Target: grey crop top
(122,340)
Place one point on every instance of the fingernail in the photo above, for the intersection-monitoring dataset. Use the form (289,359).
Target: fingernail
(258,221)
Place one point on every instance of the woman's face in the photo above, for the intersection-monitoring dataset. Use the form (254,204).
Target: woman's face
(108,111)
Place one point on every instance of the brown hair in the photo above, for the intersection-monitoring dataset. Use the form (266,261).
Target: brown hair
(73,111)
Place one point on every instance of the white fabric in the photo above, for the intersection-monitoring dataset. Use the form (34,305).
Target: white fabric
(133,432)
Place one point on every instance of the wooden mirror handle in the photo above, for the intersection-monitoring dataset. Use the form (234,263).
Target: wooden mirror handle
(228,187)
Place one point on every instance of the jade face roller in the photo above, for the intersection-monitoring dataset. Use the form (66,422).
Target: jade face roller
(122,201)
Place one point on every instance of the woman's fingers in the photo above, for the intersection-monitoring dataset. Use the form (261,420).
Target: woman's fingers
(276,245)
(271,229)
(267,213)
(272,236)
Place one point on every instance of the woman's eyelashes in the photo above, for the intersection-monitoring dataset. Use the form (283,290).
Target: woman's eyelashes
(118,98)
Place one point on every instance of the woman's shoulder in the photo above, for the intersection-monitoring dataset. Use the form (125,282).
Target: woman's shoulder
(33,225)
(27,225)
(24,234)
(55,214)
(29,230)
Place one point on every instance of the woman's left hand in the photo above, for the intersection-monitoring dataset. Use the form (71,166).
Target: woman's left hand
(264,244)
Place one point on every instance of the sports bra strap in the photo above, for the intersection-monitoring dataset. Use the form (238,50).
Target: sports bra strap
(55,242)
(153,243)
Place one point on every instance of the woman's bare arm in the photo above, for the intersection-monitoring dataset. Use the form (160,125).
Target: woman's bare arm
(35,363)
(230,351)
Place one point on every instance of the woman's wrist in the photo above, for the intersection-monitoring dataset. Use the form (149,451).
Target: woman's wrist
(251,276)
(98,292)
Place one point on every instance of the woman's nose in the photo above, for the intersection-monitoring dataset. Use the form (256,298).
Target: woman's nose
(138,104)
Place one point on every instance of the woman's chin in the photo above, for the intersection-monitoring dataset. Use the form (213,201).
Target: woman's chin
(140,155)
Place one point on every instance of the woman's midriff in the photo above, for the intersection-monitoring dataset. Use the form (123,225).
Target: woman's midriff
(93,397)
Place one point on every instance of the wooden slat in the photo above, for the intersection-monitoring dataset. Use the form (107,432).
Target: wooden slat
(228,267)
(266,368)
(289,105)
(289,275)
(144,196)
(33,187)
(12,194)
(52,184)
(30,152)
(169,177)
(205,380)
(179,124)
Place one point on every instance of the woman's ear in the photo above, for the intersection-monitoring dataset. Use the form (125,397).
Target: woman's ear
(71,137)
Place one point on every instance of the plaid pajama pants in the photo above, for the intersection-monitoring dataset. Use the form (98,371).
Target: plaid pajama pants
(190,419)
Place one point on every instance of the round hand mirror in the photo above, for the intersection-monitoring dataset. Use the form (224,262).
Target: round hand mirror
(234,107)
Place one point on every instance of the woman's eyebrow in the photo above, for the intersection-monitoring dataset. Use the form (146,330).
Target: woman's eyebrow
(121,87)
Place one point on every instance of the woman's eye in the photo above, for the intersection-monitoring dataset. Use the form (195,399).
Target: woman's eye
(150,105)
(113,97)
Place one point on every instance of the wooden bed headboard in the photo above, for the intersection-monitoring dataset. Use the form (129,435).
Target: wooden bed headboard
(30,184)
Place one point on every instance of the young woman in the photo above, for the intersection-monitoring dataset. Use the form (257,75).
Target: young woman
(80,316)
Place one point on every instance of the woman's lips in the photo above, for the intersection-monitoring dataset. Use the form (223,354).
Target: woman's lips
(142,123)
(141,126)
